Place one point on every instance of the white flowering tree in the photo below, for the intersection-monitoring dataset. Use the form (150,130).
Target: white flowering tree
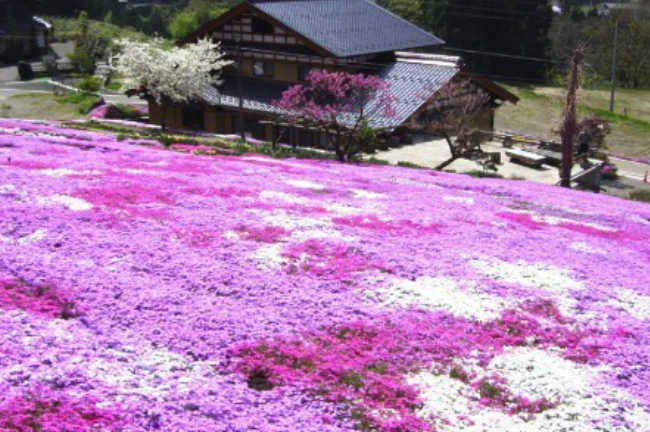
(177,75)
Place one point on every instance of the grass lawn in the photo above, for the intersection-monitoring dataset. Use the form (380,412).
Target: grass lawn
(39,106)
(47,106)
(539,112)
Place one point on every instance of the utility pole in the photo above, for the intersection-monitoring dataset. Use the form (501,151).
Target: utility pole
(569,124)
(613,93)
(240,72)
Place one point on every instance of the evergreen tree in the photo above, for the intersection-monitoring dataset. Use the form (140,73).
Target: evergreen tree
(510,27)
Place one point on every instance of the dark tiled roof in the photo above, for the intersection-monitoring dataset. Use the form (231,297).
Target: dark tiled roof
(347,27)
(411,84)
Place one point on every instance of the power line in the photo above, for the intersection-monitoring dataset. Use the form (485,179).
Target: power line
(490,9)
(492,17)
(497,54)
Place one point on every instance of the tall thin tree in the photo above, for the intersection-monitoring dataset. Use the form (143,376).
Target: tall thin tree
(569,124)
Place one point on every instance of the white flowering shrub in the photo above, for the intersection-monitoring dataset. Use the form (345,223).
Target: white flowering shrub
(179,74)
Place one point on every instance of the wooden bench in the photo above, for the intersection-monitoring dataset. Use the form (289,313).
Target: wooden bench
(552,157)
(526,158)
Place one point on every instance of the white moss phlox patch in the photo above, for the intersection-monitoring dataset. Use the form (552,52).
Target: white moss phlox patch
(269,256)
(585,248)
(305,184)
(582,405)
(64,172)
(349,209)
(71,203)
(536,275)
(273,196)
(230,235)
(37,235)
(635,304)
(440,293)
(153,373)
(360,193)
(288,221)
(553,280)
(459,199)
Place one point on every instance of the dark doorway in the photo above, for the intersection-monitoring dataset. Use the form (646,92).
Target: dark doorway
(193,118)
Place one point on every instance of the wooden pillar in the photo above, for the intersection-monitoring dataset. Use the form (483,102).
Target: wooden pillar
(274,138)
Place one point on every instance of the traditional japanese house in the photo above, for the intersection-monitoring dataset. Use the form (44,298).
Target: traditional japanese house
(22,35)
(277,42)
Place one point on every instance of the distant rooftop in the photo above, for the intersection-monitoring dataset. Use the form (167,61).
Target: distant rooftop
(347,27)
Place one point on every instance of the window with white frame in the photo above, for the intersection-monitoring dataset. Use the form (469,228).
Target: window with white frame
(263,69)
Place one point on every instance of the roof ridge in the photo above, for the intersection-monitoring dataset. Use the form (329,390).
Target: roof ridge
(352,27)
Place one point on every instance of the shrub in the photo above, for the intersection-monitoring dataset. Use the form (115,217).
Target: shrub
(610,172)
(114,85)
(25,71)
(82,60)
(90,84)
(124,112)
(642,195)
(409,165)
(483,174)
(84,101)
(5,110)
(374,160)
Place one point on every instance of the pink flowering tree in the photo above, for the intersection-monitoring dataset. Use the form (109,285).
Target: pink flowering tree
(341,104)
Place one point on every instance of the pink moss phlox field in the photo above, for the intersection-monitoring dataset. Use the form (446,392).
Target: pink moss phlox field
(150,289)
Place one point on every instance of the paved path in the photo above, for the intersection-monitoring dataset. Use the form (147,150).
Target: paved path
(431,153)
(10,88)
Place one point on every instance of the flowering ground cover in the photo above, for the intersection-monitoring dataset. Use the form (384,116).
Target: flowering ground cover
(150,289)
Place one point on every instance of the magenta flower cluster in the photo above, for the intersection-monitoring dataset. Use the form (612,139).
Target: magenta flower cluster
(44,409)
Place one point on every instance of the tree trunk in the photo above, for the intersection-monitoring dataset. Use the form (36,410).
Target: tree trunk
(445,164)
(340,154)
(452,150)
(570,122)
(163,119)
(276,136)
